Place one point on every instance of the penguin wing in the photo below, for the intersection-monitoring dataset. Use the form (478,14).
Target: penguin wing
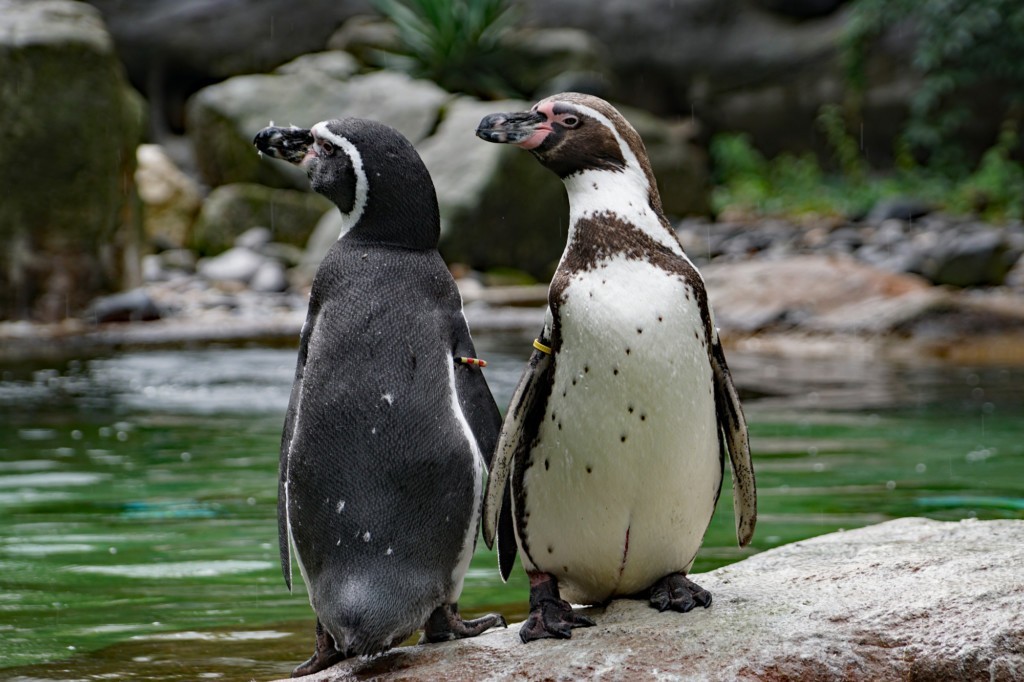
(517,433)
(474,396)
(287,434)
(732,429)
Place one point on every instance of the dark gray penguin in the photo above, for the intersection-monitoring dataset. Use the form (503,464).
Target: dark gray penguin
(615,438)
(390,422)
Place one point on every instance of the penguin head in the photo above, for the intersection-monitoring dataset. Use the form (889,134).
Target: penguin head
(570,133)
(371,173)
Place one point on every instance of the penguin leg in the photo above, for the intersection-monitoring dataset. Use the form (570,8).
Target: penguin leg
(550,615)
(324,656)
(677,592)
(445,624)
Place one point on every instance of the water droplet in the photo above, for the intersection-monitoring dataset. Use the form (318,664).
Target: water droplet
(890,485)
(186,457)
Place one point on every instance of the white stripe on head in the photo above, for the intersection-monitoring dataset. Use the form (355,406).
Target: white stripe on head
(362,184)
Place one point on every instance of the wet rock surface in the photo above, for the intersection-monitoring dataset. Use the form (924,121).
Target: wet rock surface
(906,599)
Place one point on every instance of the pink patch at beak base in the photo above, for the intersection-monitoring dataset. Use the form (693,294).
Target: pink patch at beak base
(535,140)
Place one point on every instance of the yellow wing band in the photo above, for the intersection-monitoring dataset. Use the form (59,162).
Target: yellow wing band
(541,347)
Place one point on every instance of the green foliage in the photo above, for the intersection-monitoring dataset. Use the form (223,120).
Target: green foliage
(959,45)
(996,188)
(454,43)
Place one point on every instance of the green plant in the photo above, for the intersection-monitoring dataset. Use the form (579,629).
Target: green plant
(996,188)
(959,46)
(455,43)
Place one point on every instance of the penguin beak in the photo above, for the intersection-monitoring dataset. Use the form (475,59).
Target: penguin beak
(527,129)
(287,144)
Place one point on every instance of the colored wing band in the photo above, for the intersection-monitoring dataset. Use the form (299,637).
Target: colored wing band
(472,362)
(541,347)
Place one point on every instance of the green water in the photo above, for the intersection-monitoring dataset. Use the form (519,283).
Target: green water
(137,495)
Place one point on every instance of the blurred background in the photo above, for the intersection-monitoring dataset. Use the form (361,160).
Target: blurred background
(846,173)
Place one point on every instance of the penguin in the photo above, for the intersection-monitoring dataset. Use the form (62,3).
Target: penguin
(390,424)
(611,455)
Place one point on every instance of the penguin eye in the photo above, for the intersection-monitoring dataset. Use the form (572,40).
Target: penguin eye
(327,148)
(570,121)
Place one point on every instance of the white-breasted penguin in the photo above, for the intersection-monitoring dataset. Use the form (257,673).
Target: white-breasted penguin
(616,435)
(390,419)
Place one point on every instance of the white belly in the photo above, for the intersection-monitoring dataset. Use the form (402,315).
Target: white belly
(625,475)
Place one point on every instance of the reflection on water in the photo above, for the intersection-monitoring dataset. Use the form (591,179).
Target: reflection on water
(138,494)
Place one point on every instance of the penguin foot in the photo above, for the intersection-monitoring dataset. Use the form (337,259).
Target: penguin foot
(445,624)
(324,656)
(677,592)
(550,615)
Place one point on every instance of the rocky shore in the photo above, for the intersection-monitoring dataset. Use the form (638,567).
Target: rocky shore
(893,288)
(907,599)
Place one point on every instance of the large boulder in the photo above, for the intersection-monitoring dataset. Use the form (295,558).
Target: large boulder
(910,599)
(69,126)
(289,215)
(224,118)
(499,207)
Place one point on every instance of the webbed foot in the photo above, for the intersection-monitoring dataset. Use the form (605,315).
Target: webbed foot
(550,615)
(445,624)
(677,592)
(324,656)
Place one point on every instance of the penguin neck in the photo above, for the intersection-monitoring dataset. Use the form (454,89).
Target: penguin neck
(409,221)
(624,194)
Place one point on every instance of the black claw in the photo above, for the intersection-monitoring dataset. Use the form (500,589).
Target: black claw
(445,624)
(677,592)
(550,616)
(324,655)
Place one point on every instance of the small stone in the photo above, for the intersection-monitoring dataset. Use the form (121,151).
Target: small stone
(237,264)
(254,238)
(270,277)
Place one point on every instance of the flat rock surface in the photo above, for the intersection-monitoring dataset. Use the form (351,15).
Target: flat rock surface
(906,599)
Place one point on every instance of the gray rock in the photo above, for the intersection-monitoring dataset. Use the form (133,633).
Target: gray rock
(128,306)
(234,265)
(536,56)
(757,296)
(152,269)
(270,277)
(232,210)
(183,260)
(333,64)
(499,207)
(906,599)
(981,258)
(224,118)
(69,126)
(254,239)
(365,36)
(898,208)
(219,38)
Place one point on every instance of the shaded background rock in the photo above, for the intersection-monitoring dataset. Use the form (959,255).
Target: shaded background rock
(170,198)
(68,131)
(499,207)
(224,118)
(906,599)
(289,215)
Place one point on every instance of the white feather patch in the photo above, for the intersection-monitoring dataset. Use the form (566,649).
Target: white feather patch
(362,183)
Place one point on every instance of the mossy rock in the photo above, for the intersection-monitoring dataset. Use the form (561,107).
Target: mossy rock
(290,215)
(69,127)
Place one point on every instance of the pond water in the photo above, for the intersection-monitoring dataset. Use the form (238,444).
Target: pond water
(138,494)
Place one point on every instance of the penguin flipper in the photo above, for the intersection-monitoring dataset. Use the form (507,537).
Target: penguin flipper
(732,427)
(513,441)
(284,539)
(474,395)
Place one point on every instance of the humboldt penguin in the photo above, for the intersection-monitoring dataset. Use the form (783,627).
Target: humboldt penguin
(615,439)
(390,422)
